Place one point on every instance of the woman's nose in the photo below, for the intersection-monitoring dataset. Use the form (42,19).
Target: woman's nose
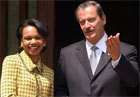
(33,41)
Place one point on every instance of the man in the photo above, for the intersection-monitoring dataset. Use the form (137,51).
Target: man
(113,67)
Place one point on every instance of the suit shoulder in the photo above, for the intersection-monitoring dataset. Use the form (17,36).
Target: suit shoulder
(11,62)
(11,58)
(125,47)
(73,46)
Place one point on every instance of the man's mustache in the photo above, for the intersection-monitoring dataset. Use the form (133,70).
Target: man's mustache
(88,30)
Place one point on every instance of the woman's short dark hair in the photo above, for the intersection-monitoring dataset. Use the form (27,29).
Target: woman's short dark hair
(85,4)
(39,25)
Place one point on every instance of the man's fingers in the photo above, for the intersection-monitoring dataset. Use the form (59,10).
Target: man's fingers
(118,36)
(111,41)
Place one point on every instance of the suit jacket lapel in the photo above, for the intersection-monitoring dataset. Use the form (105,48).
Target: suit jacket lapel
(82,55)
(105,59)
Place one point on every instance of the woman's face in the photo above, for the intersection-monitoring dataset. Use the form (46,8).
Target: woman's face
(32,42)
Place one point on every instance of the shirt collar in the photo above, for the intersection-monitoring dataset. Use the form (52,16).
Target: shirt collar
(100,44)
(29,65)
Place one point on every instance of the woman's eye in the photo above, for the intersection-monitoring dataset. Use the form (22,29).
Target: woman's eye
(30,38)
(27,38)
(38,38)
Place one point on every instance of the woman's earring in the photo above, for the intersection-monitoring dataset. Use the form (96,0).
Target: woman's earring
(44,44)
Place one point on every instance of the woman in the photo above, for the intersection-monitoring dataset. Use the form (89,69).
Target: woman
(23,74)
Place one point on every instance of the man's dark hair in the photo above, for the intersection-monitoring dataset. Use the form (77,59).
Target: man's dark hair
(86,4)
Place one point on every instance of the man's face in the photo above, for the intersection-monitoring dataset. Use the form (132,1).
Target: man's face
(91,24)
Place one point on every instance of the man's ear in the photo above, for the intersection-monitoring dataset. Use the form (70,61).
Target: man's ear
(104,19)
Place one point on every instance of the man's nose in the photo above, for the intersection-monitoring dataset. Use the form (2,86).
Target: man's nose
(87,24)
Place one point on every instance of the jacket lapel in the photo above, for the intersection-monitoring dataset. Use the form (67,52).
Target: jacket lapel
(105,59)
(82,55)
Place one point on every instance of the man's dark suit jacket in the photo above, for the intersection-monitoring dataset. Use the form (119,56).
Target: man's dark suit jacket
(74,76)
